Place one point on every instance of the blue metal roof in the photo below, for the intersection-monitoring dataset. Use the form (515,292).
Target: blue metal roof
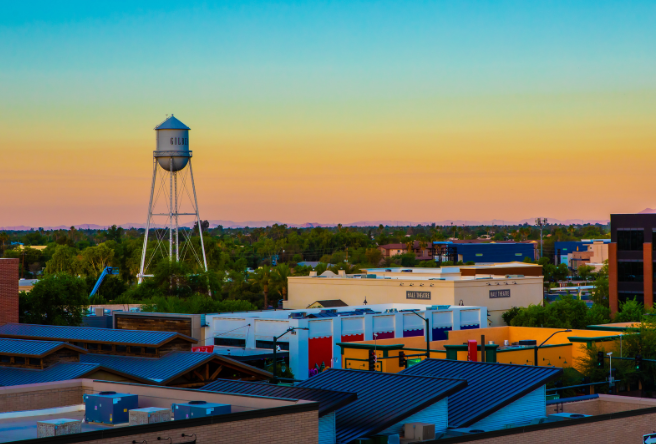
(329,400)
(384,399)
(490,386)
(59,372)
(165,369)
(90,334)
(172,123)
(24,347)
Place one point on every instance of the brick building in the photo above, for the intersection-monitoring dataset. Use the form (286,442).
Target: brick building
(631,259)
(8,290)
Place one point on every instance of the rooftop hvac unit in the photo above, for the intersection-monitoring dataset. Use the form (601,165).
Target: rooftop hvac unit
(419,431)
(199,409)
(109,407)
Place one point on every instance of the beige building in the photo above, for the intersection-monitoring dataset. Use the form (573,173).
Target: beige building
(595,256)
(489,286)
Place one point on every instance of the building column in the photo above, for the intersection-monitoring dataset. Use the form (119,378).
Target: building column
(648,274)
(612,278)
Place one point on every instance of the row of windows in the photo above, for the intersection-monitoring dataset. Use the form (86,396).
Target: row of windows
(117,348)
(19,360)
(630,271)
(630,240)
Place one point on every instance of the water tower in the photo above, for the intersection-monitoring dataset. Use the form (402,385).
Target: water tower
(171,200)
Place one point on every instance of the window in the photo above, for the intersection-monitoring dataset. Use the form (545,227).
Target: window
(121,348)
(630,240)
(35,361)
(106,347)
(151,351)
(92,346)
(630,271)
(479,254)
(624,296)
(518,254)
(230,342)
(5,359)
(19,360)
(136,350)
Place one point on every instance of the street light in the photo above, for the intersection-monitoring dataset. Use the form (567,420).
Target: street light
(427,333)
(535,355)
(274,379)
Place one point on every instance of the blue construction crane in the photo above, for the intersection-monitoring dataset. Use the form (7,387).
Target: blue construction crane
(106,271)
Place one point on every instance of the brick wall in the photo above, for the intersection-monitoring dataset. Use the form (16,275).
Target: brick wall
(625,427)
(40,396)
(8,290)
(297,428)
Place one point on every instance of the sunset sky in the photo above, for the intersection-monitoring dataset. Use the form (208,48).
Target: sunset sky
(330,111)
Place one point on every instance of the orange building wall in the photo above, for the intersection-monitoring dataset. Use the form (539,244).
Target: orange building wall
(612,278)
(648,274)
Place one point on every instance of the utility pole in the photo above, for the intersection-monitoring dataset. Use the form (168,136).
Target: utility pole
(541,222)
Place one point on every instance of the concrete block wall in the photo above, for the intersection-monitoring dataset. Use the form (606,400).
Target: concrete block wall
(8,290)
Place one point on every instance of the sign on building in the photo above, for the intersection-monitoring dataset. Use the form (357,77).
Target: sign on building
(417,294)
(499,294)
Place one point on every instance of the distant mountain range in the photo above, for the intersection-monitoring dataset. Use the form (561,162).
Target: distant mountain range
(367,223)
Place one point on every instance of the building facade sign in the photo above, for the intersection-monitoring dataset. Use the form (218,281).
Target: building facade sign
(417,294)
(499,294)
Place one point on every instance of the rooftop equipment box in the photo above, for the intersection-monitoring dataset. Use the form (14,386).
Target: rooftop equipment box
(419,431)
(57,427)
(199,409)
(149,415)
(109,407)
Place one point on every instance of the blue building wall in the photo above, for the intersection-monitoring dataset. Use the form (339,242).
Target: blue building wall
(493,252)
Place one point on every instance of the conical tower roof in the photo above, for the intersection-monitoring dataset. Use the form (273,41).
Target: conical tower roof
(172,123)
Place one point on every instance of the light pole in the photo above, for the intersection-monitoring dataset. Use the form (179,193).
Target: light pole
(610,372)
(541,222)
(427,333)
(535,354)
(274,379)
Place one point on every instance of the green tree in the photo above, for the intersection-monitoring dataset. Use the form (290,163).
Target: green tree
(585,271)
(630,311)
(279,277)
(64,260)
(599,294)
(95,259)
(57,299)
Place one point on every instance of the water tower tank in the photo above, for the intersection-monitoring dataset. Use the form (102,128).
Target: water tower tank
(172,137)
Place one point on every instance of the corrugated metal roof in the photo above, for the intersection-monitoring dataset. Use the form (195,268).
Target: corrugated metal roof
(24,347)
(155,369)
(490,386)
(384,399)
(59,372)
(90,334)
(329,400)
(172,123)
(164,369)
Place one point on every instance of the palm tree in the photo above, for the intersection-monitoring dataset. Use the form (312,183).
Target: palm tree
(263,277)
(279,277)
(4,237)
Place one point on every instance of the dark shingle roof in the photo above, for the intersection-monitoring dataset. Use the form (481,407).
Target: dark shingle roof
(490,386)
(329,400)
(90,334)
(332,303)
(167,368)
(384,399)
(24,347)
(59,372)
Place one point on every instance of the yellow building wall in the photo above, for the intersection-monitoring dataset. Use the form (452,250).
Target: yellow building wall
(563,353)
